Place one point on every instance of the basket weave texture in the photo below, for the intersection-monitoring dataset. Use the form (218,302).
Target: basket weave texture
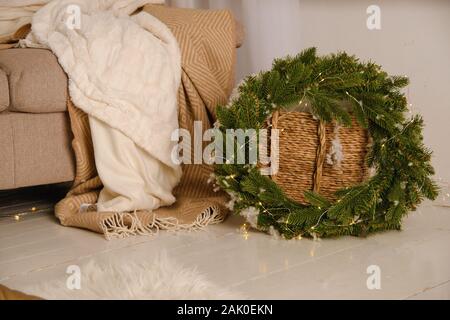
(304,143)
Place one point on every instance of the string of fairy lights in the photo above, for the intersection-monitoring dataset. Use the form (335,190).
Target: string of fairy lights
(442,201)
(19,216)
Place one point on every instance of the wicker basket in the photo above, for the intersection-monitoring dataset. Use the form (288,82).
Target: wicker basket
(303,147)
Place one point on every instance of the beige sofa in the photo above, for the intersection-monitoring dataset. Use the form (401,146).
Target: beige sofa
(35,136)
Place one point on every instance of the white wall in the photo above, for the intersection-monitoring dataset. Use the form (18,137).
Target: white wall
(414,40)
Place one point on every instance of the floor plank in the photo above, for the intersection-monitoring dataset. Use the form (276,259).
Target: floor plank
(440,291)
(414,263)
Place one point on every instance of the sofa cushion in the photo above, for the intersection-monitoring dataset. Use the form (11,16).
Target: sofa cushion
(4,91)
(37,83)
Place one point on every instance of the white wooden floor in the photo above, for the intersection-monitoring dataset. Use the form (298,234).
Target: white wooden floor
(414,263)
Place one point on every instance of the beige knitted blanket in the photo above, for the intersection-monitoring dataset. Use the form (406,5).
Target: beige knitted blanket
(207,42)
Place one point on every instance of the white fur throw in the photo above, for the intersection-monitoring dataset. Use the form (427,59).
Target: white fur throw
(124,72)
(117,279)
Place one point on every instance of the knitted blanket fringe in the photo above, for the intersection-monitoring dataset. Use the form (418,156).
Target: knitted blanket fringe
(125,224)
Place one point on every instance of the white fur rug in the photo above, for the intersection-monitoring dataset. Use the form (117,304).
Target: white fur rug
(158,280)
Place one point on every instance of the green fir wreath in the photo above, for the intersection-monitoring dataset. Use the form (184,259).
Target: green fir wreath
(397,153)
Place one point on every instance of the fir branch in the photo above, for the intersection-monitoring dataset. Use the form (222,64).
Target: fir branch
(328,83)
